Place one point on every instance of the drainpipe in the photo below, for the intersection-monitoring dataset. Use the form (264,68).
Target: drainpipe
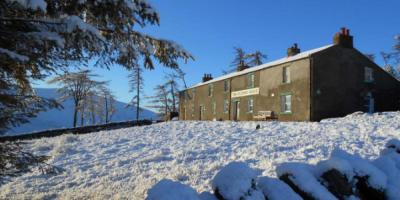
(311,88)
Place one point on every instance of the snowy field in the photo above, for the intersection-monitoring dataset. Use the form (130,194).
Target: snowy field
(123,164)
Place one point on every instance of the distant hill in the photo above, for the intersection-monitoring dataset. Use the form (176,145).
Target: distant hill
(55,118)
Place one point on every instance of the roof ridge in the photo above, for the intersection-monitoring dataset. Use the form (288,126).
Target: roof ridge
(266,65)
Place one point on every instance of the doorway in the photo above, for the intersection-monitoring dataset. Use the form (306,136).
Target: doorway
(369,103)
(236,110)
(201,113)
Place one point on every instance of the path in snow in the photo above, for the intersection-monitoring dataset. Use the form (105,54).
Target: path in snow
(123,164)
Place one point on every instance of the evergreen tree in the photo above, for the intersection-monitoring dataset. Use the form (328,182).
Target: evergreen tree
(160,101)
(173,95)
(40,37)
(241,57)
(136,83)
(256,58)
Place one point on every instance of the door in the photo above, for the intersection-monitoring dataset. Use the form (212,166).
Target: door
(201,113)
(236,110)
(369,103)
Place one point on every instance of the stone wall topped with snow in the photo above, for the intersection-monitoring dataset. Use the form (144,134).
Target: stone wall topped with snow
(342,176)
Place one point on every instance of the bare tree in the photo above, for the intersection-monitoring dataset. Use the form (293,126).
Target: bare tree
(106,102)
(136,83)
(76,85)
(179,73)
(392,59)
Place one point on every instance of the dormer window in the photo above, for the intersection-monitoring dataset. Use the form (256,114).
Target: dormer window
(368,74)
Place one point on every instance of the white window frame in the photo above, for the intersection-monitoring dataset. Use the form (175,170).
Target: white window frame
(210,90)
(368,74)
(214,108)
(226,106)
(251,80)
(286,103)
(286,74)
(226,85)
(250,105)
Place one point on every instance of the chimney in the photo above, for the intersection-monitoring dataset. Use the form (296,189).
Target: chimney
(293,50)
(241,66)
(343,38)
(207,77)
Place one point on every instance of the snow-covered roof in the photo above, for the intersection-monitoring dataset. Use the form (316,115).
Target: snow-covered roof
(266,65)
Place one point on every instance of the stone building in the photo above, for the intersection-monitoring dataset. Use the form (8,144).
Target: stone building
(330,81)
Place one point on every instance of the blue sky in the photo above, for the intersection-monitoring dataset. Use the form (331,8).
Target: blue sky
(209,29)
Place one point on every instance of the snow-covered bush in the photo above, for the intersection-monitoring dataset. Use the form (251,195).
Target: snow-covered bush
(275,189)
(363,168)
(370,182)
(170,190)
(392,146)
(236,181)
(387,165)
(336,175)
(301,179)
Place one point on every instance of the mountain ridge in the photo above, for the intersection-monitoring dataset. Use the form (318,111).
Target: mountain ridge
(55,118)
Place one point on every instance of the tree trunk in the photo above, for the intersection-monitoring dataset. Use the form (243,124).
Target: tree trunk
(173,97)
(75,114)
(82,115)
(106,108)
(137,95)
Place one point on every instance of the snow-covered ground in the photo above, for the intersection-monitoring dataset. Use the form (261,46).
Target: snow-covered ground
(123,164)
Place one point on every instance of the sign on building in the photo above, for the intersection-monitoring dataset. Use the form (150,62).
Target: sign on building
(243,93)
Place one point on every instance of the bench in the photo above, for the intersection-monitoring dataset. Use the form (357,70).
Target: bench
(264,115)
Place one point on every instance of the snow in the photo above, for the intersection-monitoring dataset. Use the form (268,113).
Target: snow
(339,164)
(46,35)
(276,189)
(125,163)
(74,22)
(32,4)
(14,55)
(388,166)
(362,167)
(235,180)
(301,175)
(171,190)
(51,119)
(299,56)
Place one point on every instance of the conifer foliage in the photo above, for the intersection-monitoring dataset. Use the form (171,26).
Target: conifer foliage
(40,37)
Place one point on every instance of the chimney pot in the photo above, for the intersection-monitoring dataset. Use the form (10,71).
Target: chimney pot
(207,77)
(241,66)
(343,38)
(293,50)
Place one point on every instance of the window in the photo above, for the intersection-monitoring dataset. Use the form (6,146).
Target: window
(286,75)
(226,85)
(250,80)
(286,103)
(214,107)
(368,74)
(226,106)
(250,105)
(210,89)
